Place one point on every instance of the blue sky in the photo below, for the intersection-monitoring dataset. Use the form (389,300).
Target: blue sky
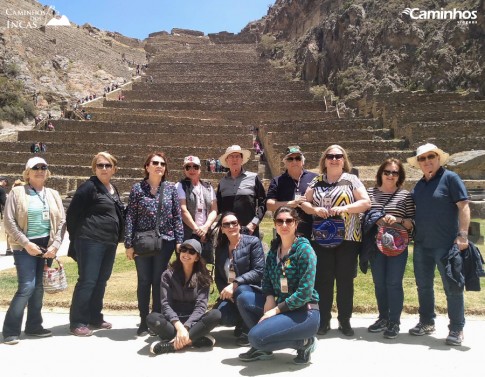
(138,18)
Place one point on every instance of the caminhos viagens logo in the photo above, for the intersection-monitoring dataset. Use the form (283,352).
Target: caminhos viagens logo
(462,16)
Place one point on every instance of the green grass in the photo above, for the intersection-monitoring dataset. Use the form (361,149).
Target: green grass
(121,290)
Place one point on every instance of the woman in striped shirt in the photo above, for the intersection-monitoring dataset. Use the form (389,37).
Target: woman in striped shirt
(388,271)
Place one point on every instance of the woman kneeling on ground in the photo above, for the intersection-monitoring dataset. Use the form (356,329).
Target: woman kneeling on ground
(184,295)
(286,314)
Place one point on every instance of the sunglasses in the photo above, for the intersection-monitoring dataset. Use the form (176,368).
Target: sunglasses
(334,156)
(230,224)
(104,166)
(195,167)
(188,250)
(39,167)
(158,163)
(296,158)
(428,157)
(280,222)
(391,172)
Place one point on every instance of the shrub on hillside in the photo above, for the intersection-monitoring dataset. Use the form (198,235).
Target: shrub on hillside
(14,106)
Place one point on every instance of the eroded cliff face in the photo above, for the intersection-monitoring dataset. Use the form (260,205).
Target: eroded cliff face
(355,47)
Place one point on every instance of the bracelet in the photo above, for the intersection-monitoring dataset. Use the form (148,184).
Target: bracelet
(463,234)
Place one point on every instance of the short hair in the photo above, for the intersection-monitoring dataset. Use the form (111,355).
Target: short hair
(347,164)
(25,175)
(112,160)
(391,160)
(149,158)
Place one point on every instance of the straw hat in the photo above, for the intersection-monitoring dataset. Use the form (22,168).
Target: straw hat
(413,161)
(235,149)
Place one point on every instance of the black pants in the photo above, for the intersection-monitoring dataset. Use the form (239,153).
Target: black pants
(166,331)
(338,264)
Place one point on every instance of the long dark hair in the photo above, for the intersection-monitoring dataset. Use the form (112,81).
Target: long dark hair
(222,239)
(147,162)
(389,161)
(200,274)
(275,243)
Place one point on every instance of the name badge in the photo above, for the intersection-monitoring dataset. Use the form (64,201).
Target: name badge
(45,215)
(232,276)
(284,285)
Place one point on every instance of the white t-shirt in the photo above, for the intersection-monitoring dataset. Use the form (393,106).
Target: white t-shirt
(201,210)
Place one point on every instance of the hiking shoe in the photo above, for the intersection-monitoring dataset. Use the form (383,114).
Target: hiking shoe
(379,325)
(161,347)
(205,341)
(243,340)
(392,330)
(254,354)
(324,329)
(81,331)
(345,328)
(304,354)
(11,340)
(422,329)
(101,326)
(238,330)
(455,338)
(142,330)
(41,333)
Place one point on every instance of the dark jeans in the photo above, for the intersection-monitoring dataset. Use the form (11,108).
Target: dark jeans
(425,262)
(149,272)
(338,264)
(94,263)
(30,293)
(166,331)
(230,315)
(388,274)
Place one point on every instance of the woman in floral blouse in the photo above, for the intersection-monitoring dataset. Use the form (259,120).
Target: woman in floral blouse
(286,314)
(140,217)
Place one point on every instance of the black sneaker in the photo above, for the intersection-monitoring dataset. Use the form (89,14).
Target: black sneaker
(378,326)
(161,347)
(392,330)
(254,354)
(324,329)
(422,329)
(304,354)
(40,333)
(345,328)
(238,330)
(142,330)
(243,340)
(454,338)
(205,341)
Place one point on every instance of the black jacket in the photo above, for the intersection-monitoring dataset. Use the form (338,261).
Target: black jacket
(464,268)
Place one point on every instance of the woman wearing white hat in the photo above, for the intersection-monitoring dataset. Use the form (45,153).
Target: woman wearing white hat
(34,222)
(241,191)
(442,220)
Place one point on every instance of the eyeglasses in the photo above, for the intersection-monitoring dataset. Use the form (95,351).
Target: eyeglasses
(188,250)
(195,167)
(230,224)
(296,158)
(334,156)
(39,167)
(104,166)
(428,157)
(158,163)
(280,222)
(391,172)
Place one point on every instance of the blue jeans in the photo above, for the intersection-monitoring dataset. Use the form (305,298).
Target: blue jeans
(425,262)
(230,314)
(94,262)
(30,293)
(251,307)
(388,274)
(149,272)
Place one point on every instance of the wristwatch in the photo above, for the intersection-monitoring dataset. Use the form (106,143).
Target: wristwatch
(463,235)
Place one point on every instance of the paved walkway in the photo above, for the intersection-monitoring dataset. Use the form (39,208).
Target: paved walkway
(118,352)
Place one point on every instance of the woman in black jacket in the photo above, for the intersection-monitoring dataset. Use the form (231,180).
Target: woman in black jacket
(239,267)
(95,225)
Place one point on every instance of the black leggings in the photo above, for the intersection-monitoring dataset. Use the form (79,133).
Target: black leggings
(166,331)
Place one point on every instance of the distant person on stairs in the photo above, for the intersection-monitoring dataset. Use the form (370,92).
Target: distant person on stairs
(240,191)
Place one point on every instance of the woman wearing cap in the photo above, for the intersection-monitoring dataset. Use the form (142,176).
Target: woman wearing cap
(143,205)
(199,205)
(183,320)
(388,271)
(239,267)
(96,225)
(34,221)
(336,192)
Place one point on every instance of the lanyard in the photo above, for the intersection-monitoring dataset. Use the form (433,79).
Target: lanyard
(42,200)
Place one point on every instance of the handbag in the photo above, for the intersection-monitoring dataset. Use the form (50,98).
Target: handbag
(329,232)
(54,279)
(150,242)
(392,239)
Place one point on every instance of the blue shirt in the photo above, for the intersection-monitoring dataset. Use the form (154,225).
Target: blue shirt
(436,210)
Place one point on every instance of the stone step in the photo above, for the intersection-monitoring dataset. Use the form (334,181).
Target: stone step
(219,86)
(303,137)
(303,125)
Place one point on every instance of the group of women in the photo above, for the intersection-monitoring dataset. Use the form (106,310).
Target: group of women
(279,301)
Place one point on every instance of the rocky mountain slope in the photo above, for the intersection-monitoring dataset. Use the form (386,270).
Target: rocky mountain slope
(355,47)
